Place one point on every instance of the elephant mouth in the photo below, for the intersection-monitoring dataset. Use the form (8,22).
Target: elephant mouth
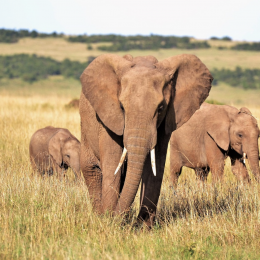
(237,147)
(64,165)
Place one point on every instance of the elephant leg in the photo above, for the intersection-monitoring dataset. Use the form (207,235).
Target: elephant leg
(91,171)
(216,163)
(110,147)
(175,174)
(59,171)
(175,164)
(151,185)
(217,170)
(239,170)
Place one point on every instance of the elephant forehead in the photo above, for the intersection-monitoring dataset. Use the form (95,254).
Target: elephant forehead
(246,120)
(72,144)
(141,77)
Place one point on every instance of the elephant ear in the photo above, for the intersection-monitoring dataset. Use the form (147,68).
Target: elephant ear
(217,124)
(56,143)
(190,82)
(101,86)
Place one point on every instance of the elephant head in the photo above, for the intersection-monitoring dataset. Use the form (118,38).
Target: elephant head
(64,149)
(237,130)
(133,97)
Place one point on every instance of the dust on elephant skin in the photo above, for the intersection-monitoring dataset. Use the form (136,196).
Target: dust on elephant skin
(54,149)
(133,105)
(213,133)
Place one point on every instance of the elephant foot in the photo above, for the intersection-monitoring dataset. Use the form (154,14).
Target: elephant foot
(146,217)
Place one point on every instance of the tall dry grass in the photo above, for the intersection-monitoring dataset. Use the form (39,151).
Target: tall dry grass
(48,218)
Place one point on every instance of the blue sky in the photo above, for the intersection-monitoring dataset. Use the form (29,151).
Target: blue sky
(202,19)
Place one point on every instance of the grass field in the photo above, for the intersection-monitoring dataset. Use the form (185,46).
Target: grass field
(59,49)
(70,88)
(52,219)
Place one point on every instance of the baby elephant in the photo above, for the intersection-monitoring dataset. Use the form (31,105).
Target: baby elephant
(54,149)
(213,133)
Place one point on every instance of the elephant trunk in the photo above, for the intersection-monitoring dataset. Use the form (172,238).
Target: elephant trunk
(76,169)
(138,146)
(253,159)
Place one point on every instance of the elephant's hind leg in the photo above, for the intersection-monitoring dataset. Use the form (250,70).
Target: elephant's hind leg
(93,177)
(175,168)
(175,174)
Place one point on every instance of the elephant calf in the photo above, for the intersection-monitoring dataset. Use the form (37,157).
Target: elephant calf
(213,133)
(54,149)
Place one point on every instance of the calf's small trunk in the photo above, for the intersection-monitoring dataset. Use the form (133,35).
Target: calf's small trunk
(253,159)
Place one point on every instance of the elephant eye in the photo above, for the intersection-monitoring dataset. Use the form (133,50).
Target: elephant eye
(240,135)
(121,106)
(67,155)
(160,109)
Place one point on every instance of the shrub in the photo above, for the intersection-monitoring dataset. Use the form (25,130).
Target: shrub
(225,38)
(12,36)
(31,67)
(248,78)
(247,46)
(139,42)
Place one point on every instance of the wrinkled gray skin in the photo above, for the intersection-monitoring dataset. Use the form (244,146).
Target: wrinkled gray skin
(54,149)
(213,133)
(134,103)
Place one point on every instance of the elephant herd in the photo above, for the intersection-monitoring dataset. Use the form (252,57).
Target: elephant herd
(130,109)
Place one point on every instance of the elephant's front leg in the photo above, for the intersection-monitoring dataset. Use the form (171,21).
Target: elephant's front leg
(91,171)
(110,147)
(151,185)
(215,159)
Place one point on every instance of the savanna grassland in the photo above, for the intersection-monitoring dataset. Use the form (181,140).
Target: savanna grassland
(48,218)
(60,49)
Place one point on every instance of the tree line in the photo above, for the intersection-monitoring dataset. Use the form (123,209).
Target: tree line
(245,78)
(139,42)
(32,68)
(126,43)
(12,36)
(255,46)
(154,42)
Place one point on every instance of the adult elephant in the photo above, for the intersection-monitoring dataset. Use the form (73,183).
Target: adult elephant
(129,107)
(213,133)
(54,149)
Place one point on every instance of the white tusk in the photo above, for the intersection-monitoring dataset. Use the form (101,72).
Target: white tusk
(121,160)
(153,161)
(244,157)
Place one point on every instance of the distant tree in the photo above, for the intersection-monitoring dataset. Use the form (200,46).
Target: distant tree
(32,67)
(247,46)
(248,78)
(226,38)
(34,34)
(54,34)
(12,36)
(214,38)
